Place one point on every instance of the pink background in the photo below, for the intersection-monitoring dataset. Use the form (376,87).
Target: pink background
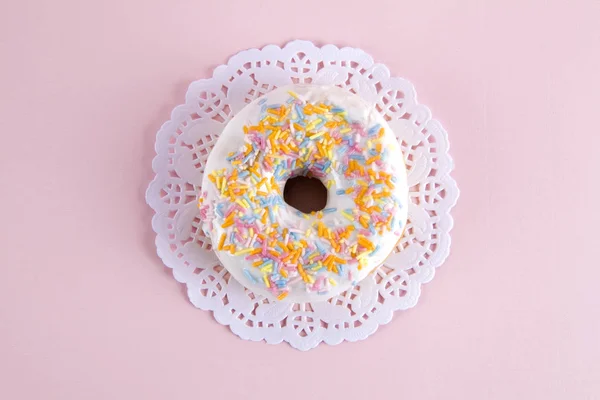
(87,311)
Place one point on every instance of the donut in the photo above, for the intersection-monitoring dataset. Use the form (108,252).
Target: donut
(319,132)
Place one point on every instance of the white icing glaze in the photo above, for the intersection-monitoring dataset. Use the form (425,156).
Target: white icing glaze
(232,139)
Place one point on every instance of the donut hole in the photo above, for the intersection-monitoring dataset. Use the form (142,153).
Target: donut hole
(305,194)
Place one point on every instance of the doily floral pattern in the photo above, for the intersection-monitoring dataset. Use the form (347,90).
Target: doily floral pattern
(184,142)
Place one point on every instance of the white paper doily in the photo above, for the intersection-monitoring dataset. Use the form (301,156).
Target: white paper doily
(183,145)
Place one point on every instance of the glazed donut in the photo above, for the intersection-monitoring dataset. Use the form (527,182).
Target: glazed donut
(315,131)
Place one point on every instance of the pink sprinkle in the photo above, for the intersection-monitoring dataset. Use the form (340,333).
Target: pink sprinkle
(294,280)
(231,209)
(318,282)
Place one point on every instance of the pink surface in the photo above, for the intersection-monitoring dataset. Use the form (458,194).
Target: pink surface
(87,311)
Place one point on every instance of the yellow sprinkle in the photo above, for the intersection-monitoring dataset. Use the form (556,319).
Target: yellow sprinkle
(333,283)
(222,241)
(238,201)
(282,296)
(314,123)
(267,283)
(347,216)
(228,222)
(245,251)
(316,135)
(363,241)
(373,159)
(345,130)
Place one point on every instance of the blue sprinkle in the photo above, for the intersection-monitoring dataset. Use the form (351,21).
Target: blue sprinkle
(320,247)
(374,129)
(375,250)
(263,109)
(299,112)
(273,106)
(340,191)
(337,110)
(329,210)
(262,101)
(249,276)
(271,216)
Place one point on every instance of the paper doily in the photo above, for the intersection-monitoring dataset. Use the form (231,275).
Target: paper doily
(183,145)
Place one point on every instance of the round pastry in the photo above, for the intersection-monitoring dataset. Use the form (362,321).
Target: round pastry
(317,132)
